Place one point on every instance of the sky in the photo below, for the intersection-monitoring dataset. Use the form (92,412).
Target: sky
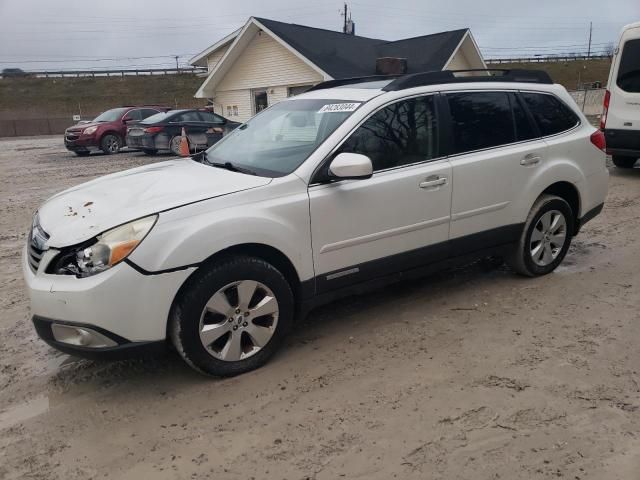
(80,34)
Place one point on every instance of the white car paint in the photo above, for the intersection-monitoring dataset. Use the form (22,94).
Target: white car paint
(320,228)
(82,212)
(624,107)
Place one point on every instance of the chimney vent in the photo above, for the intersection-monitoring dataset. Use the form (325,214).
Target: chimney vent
(391,66)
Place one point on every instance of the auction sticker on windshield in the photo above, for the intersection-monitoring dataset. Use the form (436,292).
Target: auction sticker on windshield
(339,107)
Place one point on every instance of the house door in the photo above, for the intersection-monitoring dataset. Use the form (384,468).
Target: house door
(260,100)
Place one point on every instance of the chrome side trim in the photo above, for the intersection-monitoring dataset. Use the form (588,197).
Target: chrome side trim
(343,273)
(330,247)
(479,211)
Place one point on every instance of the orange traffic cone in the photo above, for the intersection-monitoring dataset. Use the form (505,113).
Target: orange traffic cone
(184,144)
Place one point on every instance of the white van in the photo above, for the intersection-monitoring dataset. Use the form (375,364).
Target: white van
(621,116)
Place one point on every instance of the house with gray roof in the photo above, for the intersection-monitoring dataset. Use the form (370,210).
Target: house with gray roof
(267,61)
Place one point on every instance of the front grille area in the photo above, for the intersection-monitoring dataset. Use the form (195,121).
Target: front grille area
(34,256)
(36,245)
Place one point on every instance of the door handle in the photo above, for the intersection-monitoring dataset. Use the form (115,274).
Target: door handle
(530,159)
(433,181)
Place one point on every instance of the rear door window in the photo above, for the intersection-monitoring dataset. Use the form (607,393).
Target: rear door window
(629,69)
(480,120)
(551,115)
(525,130)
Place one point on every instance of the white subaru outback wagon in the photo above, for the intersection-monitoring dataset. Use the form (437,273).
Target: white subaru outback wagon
(350,185)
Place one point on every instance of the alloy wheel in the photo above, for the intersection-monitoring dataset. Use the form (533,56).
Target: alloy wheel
(548,238)
(239,320)
(113,145)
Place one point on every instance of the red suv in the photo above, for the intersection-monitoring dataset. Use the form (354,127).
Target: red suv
(107,131)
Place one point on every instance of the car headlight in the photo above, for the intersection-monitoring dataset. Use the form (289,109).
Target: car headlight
(90,130)
(108,249)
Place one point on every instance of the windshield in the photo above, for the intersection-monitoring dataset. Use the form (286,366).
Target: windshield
(277,141)
(111,115)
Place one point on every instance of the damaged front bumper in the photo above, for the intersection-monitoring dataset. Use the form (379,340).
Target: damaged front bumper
(112,314)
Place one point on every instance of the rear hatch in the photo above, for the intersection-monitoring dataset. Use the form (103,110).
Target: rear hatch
(624,84)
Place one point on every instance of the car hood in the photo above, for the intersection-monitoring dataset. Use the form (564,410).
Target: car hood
(82,126)
(82,212)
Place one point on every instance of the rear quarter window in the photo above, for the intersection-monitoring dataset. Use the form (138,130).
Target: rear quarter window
(629,69)
(551,115)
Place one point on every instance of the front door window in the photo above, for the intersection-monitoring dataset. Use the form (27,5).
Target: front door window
(260,100)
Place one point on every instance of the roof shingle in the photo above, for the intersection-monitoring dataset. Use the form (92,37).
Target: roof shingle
(343,55)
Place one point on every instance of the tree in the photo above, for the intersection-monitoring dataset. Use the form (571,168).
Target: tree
(609,49)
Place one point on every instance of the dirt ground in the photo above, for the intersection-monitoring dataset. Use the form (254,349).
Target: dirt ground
(473,373)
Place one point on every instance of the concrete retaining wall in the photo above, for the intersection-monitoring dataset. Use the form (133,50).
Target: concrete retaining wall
(34,126)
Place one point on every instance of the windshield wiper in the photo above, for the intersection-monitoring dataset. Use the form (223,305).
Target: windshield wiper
(232,167)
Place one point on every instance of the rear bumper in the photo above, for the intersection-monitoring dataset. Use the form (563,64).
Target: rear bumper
(141,142)
(123,348)
(625,143)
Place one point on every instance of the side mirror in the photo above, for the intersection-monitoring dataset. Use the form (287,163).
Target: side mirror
(351,166)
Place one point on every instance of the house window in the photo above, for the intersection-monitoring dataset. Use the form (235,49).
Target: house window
(228,110)
(260,100)
(235,110)
(293,91)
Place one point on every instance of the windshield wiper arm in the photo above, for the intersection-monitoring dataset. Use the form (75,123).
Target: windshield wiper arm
(232,167)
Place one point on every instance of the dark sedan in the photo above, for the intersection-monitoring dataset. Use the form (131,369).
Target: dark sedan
(163,130)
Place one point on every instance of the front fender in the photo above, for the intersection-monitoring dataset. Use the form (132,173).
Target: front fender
(191,234)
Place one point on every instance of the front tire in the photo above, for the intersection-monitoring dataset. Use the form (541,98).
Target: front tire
(545,238)
(111,143)
(623,162)
(232,316)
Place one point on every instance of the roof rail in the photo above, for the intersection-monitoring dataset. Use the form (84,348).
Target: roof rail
(401,82)
(350,81)
(449,76)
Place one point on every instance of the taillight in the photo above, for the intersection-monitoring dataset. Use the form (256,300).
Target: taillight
(153,129)
(605,109)
(597,138)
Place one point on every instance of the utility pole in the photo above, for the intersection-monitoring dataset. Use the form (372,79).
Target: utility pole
(177,65)
(590,32)
(344,26)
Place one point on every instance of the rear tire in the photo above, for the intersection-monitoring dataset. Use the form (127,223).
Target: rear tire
(623,162)
(545,238)
(150,151)
(232,316)
(111,143)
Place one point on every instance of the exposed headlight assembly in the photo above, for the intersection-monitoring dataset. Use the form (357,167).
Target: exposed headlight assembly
(107,250)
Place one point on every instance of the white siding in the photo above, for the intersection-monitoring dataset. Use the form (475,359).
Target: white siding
(214,58)
(265,63)
(243,99)
(239,98)
(459,61)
